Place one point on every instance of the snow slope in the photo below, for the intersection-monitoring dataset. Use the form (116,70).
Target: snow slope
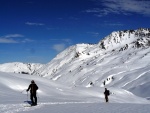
(57,98)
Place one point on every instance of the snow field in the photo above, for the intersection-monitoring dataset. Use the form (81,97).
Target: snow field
(57,98)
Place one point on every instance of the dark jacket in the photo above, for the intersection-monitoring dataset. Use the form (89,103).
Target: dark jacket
(32,87)
(106,93)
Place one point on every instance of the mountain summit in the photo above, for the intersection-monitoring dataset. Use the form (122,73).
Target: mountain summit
(135,38)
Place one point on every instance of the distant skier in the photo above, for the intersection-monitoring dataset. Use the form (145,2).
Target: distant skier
(106,93)
(33,88)
(104,83)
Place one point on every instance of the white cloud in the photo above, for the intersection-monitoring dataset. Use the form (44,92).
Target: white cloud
(67,40)
(137,6)
(27,40)
(121,7)
(5,40)
(13,38)
(59,47)
(10,38)
(34,24)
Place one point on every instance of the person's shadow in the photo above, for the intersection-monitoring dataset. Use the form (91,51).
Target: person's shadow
(29,102)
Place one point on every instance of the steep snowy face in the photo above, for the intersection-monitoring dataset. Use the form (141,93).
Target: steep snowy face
(120,40)
(18,67)
(65,57)
(137,38)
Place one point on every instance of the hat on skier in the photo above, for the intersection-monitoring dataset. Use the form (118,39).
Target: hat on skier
(32,81)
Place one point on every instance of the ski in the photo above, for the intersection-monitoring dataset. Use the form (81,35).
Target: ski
(29,105)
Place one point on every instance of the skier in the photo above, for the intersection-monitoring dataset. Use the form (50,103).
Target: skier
(106,93)
(33,88)
(104,83)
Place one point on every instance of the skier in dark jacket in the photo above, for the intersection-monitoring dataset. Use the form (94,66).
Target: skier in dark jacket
(33,88)
(106,93)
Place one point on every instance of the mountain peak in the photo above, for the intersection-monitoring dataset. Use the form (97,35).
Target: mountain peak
(119,39)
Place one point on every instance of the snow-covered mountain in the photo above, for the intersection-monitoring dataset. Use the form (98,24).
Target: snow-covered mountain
(120,60)
(74,81)
(18,67)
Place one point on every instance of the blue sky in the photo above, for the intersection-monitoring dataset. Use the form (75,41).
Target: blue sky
(37,30)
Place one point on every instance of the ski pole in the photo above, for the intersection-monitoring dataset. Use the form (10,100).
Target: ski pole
(27,96)
(38,97)
(22,91)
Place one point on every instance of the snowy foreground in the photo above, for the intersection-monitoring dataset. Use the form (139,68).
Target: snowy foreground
(57,98)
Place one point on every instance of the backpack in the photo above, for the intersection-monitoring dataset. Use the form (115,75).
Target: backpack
(108,92)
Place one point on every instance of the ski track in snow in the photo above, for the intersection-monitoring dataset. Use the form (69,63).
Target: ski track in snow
(77,107)
(95,107)
(14,108)
(136,78)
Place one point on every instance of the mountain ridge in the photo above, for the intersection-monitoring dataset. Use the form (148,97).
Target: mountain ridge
(19,67)
(106,45)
